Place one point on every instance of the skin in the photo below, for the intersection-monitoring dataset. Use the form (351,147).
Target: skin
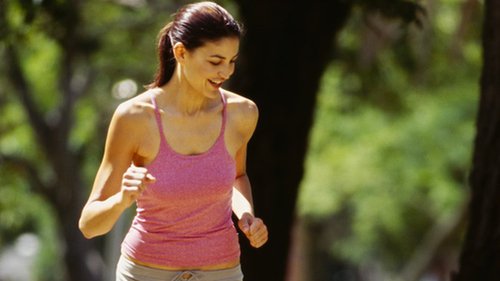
(191,112)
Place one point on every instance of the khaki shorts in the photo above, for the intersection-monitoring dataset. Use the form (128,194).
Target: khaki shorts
(127,270)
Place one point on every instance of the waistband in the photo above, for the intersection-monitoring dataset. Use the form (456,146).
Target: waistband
(127,270)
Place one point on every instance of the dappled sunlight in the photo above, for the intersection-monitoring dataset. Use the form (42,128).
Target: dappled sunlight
(124,89)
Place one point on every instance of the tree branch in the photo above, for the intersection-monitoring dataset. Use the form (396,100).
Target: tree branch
(18,79)
(442,231)
(25,167)
(20,83)
(74,80)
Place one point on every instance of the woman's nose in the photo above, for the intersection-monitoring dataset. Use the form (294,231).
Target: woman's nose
(226,72)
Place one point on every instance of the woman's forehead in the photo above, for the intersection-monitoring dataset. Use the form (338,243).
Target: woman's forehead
(222,48)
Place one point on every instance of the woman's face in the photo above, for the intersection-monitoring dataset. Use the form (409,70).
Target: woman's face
(207,67)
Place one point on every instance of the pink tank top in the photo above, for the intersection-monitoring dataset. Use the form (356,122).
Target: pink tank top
(184,218)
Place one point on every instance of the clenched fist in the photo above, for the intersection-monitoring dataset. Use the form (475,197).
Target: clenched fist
(254,229)
(134,182)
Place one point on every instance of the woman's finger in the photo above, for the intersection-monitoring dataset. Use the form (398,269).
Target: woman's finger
(131,182)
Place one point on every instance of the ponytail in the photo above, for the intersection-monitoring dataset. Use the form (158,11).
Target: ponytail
(166,64)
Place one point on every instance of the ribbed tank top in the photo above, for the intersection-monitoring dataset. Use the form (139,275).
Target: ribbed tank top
(184,218)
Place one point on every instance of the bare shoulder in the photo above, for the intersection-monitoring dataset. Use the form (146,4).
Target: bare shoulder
(132,120)
(135,110)
(243,112)
(132,132)
(241,107)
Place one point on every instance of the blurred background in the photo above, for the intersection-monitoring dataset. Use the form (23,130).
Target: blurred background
(359,164)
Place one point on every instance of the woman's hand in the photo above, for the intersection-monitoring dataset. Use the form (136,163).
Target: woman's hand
(254,229)
(134,182)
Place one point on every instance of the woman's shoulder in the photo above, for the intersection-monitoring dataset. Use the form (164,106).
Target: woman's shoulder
(243,113)
(240,105)
(135,111)
(140,105)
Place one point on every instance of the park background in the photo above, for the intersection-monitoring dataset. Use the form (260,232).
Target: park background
(361,163)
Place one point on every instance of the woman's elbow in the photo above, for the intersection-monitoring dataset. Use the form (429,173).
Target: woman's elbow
(87,231)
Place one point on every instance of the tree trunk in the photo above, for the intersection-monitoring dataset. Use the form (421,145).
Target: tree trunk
(83,261)
(480,258)
(65,194)
(284,53)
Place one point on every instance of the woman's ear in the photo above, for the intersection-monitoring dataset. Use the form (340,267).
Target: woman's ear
(179,52)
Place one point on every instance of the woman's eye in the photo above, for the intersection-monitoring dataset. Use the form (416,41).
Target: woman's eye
(214,62)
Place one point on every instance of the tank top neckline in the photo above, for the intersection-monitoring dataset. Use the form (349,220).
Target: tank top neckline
(163,139)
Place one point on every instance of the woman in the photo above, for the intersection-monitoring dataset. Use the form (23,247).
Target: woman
(179,150)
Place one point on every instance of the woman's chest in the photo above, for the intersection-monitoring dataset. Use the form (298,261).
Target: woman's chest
(188,138)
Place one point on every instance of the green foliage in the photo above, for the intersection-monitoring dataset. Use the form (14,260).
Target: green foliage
(396,175)
(22,211)
(389,150)
(407,10)
(15,211)
(391,144)
(41,68)
(113,42)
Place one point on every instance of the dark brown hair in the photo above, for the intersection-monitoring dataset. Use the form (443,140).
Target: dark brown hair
(193,25)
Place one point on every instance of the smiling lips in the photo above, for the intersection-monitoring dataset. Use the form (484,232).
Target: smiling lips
(216,84)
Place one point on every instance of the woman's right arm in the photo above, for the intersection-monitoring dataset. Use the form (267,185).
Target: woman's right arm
(118,183)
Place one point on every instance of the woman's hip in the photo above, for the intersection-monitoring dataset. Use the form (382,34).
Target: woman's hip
(127,270)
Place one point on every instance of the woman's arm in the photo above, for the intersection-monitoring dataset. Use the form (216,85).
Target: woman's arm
(242,197)
(253,228)
(117,183)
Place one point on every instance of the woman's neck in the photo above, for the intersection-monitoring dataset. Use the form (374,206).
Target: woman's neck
(182,98)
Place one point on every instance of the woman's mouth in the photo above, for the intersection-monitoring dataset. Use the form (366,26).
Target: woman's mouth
(215,83)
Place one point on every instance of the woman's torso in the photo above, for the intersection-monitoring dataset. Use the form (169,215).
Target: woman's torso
(184,220)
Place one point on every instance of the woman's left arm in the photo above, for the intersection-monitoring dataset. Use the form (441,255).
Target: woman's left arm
(253,228)
(242,201)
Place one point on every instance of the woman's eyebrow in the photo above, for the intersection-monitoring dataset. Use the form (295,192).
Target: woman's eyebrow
(222,57)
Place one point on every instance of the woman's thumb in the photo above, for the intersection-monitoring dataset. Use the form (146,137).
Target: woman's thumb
(245,226)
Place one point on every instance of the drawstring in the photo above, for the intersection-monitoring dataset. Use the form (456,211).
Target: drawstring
(186,276)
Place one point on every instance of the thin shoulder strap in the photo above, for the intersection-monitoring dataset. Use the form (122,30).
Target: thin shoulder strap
(224,106)
(157,115)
